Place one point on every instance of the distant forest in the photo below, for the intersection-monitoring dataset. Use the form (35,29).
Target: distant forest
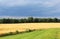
(30,20)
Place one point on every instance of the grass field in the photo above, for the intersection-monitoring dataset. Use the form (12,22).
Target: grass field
(5,28)
(39,34)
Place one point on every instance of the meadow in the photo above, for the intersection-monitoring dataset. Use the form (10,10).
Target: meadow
(38,34)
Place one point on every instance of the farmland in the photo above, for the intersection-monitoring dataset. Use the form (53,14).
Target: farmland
(39,34)
(6,28)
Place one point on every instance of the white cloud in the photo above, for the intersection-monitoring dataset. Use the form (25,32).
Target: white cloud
(12,2)
(13,17)
(44,3)
(27,2)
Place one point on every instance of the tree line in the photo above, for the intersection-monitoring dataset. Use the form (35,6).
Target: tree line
(29,20)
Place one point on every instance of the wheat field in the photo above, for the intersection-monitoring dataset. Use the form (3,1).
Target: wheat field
(5,28)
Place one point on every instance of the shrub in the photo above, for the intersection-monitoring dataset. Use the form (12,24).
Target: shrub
(17,32)
(29,30)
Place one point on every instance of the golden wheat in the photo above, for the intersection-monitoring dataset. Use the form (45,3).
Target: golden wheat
(5,28)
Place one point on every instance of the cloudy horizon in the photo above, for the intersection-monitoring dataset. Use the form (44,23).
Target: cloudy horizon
(26,8)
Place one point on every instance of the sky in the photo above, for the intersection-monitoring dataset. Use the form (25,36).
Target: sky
(26,8)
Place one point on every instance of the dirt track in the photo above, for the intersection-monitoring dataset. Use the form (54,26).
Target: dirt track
(5,28)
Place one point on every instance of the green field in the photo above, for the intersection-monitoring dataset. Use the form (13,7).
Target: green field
(38,34)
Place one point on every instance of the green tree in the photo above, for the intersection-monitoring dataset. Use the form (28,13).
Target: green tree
(36,20)
(30,19)
(55,20)
(6,20)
